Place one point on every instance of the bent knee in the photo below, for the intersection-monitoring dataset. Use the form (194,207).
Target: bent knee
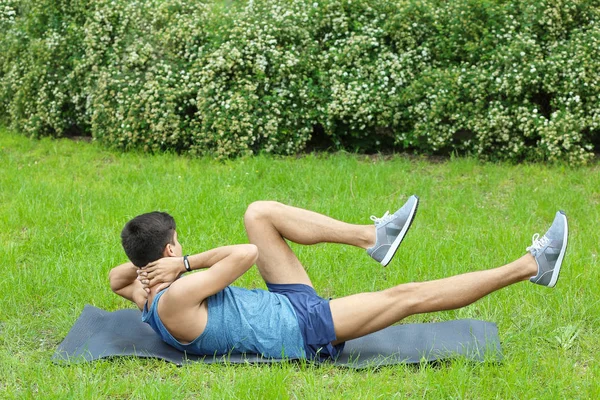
(259,210)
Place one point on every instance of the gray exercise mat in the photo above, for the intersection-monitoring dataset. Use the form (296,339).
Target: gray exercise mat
(101,334)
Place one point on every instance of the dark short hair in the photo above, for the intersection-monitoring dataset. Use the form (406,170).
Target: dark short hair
(144,237)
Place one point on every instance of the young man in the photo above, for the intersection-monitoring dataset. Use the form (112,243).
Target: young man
(202,314)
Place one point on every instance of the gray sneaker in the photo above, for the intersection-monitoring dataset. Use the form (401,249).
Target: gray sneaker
(549,251)
(391,229)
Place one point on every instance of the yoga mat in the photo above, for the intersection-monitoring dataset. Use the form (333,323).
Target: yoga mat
(101,334)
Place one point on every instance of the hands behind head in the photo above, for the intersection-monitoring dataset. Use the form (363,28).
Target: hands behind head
(161,273)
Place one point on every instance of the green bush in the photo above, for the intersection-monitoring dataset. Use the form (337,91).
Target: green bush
(498,79)
(142,82)
(40,89)
(257,82)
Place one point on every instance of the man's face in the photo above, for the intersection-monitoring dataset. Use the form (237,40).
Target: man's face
(176,246)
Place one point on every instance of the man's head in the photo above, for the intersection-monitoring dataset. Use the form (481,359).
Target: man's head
(150,236)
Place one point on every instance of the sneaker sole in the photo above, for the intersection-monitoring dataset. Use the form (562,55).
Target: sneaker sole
(561,256)
(392,251)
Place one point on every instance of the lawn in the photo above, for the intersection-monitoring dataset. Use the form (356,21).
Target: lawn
(63,204)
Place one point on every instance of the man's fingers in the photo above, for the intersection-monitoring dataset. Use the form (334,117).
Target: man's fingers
(151,281)
(163,286)
(147,268)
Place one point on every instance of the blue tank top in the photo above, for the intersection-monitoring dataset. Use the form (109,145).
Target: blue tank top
(240,321)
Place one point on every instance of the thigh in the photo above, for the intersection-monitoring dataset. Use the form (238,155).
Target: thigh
(276,261)
(363,313)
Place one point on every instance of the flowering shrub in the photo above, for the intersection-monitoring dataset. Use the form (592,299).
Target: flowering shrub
(7,13)
(142,85)
(508,80)
(256,86)
(39,90)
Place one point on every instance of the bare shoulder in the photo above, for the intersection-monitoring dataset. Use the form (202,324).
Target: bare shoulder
(184,319)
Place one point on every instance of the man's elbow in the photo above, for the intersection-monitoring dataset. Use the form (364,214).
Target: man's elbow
(250,254)
(113,281)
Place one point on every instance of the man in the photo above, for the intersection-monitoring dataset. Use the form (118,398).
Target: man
(202,314)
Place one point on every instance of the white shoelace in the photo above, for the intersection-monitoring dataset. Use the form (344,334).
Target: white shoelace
(386,217)
(538,243)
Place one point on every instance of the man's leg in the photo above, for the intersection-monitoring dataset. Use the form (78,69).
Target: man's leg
(364,313)
(269,223)
(360,314)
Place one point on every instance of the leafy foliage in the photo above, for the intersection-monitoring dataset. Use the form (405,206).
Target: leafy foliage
(501,80)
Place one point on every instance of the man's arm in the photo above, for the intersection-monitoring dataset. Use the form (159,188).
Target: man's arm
(123,281)
(225,265)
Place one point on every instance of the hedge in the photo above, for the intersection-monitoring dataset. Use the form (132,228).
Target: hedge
(496,79)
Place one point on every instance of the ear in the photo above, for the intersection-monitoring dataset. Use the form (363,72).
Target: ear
(168,251)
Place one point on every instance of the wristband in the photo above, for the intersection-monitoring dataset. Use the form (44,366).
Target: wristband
(186,263)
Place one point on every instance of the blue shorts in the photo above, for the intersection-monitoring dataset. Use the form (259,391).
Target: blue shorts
(314,318)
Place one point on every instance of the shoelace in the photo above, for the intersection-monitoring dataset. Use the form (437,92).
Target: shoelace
(538,243)
(386,217)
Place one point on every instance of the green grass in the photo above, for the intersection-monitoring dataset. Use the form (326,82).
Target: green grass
(63,204)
